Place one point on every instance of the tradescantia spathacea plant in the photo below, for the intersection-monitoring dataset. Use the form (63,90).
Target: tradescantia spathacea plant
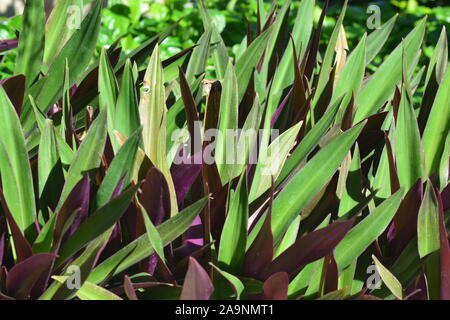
(112,188)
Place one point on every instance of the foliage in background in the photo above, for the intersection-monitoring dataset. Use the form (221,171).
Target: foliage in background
(135,20)
(358,180)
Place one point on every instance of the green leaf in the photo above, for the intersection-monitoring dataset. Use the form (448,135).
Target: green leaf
(235,282)
(44,240)
(284,74)
(17,180)
(364,233)
(87,159)
(248,138)
(141,248)
(31,41)
(48,154)
(85,261)
(108,88)
(233,240)
(351,77)
(152,107)
(78,52)
(325,70)
(220,51)
(58,28)
(389,279)
(289,237)
(228,120)
(438,126)
(199,58)
(428,223)
(351,195)
(377,39)
(439,60)
(346,278)
(310,180)
(276,32)
(381,85)
(444,177)
(127,112)
(153,112)
(270,165)
(408,147)
(153,235)
(247,62)
(121,167)
(308,143)
(90,291)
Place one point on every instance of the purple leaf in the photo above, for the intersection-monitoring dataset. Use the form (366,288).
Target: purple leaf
(309,248)
(331,275)
(6,45)
(118,189)
(77,204)
(201,255)
(3,232)
(21,244)
(280,109)
(197,284)
(23,276)
(129,289)
(445,253)
(190,108)
(276,287)
(15,89)
(260,253)
(393,172)
(445,195)
(405,220)
(185,174)
(155,196)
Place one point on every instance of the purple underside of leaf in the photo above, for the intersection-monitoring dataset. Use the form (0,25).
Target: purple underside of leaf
(197,284)
(332,275)
(23,276)
(445,254)
(21,244)
(276,287)
(2,247)
(260,253)
(118,189)
(309,248)
(129,289)
(404,227)
(6,45)
(445,195)
(194,235)
(77,203)
(115,235)
(192,240)
(280,109)
(15,89)
(155,196)
(185,174)
(80,201)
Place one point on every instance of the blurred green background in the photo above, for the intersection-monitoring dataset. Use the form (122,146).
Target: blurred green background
(136,20)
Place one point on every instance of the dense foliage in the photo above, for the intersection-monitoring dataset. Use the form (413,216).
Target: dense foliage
(107,188)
